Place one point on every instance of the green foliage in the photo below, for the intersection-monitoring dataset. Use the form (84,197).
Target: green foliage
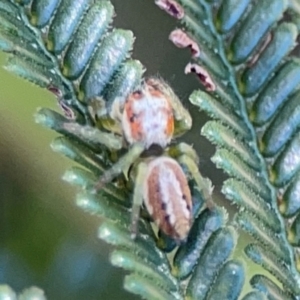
(6,292)
(240,53)
(256,123)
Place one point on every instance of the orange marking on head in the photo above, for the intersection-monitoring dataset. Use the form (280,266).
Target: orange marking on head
(169,130)
(134,120)
(170,126)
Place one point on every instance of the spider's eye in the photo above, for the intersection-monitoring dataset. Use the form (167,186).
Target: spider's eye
(153,84)
(137,94)
(156,87)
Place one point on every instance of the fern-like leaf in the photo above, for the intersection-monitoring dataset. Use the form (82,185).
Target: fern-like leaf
(6,292)
(68,48)
(252,92)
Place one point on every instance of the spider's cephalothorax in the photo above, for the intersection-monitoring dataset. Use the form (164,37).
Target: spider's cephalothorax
(163,187)
(148,115)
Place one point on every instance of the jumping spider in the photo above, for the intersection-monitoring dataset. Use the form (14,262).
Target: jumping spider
(149,118)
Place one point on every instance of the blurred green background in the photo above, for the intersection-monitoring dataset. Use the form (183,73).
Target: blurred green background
(45,240)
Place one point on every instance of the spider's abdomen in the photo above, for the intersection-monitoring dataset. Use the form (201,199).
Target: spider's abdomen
(168,198)
(148,117)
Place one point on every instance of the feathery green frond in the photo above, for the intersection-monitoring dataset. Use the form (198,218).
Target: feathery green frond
(68,48)
(6,292)
(252,92)
(240,53)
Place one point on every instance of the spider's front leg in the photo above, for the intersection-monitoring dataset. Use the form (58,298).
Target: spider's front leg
(85,133)
(94,135)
